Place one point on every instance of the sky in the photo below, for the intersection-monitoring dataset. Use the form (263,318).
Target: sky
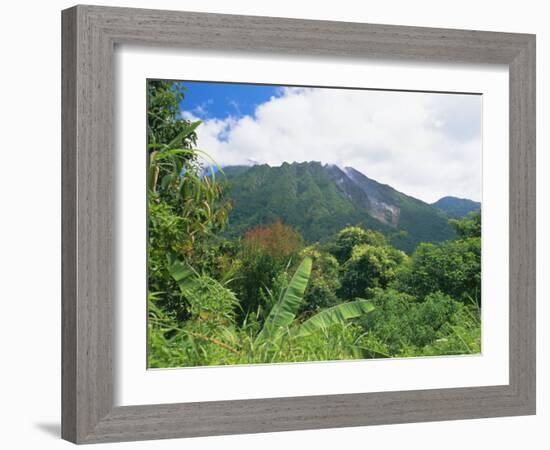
(427,145)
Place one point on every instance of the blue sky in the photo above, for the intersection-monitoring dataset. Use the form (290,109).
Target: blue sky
(427,145)
(208,100)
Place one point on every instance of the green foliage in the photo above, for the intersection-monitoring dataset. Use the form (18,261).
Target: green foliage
(349,237)
(163,121)
(269,296)
(303,195)
(284,311)
(452,267)
(184,207)
(460,336)
(335,315)
(390,321)
(208,300)
(433,315)
(324,281)
(231,282)
(456,207)
(402,326)
(469,226)
(210,335)
(368,267)
(422,223)
(265,252)
(321,200)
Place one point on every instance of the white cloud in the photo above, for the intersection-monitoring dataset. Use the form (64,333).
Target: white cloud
(425,145)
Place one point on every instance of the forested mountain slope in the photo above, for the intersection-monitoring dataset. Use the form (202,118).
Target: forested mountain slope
(318,200)
(456,207)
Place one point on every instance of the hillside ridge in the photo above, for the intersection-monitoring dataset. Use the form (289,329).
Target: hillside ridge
(321,199)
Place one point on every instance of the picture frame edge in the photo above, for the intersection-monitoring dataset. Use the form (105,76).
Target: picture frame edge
(89,34)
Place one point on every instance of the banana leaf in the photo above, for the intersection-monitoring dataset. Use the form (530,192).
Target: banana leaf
(337,314)
(284,311)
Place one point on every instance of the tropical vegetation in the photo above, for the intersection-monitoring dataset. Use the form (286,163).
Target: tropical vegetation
(244,271)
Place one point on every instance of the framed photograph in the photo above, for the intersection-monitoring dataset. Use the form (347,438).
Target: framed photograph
(267,222)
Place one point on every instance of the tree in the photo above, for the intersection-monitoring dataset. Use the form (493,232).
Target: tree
(452,267)
(277,239)
(164,123)
(266,251)
(469,226)
(324,281)
(369,267)
(184,207)
(350,237)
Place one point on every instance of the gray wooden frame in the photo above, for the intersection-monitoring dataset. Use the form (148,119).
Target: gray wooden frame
(89,36)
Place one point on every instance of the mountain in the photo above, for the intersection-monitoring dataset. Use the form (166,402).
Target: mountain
(420,221)
(319,200)
(303,195)
(456,207)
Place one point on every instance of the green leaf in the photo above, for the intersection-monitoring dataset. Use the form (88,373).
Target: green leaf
(337,314)
(166,179)
(284,311)
(169,154)
(183,274)
(188,128)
